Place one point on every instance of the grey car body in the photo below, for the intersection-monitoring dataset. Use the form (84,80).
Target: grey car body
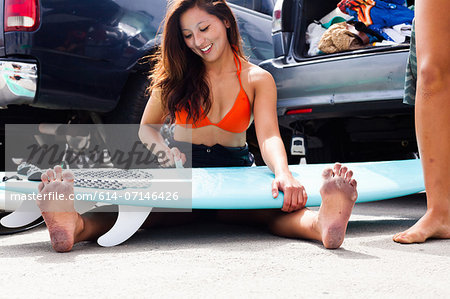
(351,101)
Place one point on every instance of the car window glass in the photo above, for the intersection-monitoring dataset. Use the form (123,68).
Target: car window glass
(263,6)
(244,3)
(267,6)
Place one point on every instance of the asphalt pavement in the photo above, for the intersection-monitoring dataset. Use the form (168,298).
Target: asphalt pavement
(209,260)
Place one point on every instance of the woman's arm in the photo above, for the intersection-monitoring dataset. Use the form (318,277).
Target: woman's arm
(151,122)
(266,123)
(270,142)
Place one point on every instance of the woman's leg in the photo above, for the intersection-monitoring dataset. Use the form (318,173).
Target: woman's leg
(328,225)
(433,119)
(66,227)
(64,224)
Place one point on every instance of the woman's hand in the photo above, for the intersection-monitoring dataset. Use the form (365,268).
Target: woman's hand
(294,193)
(170,156)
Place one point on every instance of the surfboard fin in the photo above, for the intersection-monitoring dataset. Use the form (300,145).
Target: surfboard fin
(25,214)
(83,206)
(128,221)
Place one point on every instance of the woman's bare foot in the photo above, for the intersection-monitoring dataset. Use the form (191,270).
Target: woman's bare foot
(431,225)
(57,208)
(338,198)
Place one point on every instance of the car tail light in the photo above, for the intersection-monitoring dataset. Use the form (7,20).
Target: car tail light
(299,111)
(276,16)
(21,15)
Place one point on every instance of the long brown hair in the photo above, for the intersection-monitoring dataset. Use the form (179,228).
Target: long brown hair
(180,73)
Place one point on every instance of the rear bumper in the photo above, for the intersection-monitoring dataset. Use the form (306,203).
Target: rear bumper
(18,82)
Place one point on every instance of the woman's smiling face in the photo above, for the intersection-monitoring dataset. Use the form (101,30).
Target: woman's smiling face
(204,34)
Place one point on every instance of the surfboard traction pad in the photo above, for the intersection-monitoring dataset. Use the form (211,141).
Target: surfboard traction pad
(130,218)
(107,178)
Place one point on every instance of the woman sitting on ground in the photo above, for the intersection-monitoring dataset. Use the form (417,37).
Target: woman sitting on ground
(206,87)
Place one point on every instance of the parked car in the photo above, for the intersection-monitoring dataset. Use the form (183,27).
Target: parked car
(87,57)
(85,54)
(344,106)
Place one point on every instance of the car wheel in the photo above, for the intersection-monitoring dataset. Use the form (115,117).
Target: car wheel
(132,101)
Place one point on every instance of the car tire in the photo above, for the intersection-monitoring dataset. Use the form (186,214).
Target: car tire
(132,101)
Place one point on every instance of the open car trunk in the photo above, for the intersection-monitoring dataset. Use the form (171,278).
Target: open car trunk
(312,11)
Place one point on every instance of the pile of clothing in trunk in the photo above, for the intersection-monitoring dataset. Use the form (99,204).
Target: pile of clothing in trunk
(356,24)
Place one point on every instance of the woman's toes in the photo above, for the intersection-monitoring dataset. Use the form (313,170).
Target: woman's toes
(353,183)
(337,168)
(51,175)
(343,171)
(348,176)
(327,173)
(44,178)
(68,176)
(58,172)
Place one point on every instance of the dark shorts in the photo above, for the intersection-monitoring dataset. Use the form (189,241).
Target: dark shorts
(200,155)
(411,72)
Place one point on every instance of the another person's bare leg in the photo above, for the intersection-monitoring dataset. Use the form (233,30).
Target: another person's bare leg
(65,225)
(433,119)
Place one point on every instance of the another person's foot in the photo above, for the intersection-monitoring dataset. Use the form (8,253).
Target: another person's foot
(431,225)
(57,208)
(338,198)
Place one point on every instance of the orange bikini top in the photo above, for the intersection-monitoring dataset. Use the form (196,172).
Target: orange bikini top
(235,121)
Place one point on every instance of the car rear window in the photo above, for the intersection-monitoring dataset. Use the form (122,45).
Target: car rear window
(243,3)
(262,6)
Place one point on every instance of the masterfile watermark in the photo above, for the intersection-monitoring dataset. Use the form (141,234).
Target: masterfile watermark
(98,196)
(117,164)
(141,154)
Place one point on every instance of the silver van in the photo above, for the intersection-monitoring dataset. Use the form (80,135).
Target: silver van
(344,106)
